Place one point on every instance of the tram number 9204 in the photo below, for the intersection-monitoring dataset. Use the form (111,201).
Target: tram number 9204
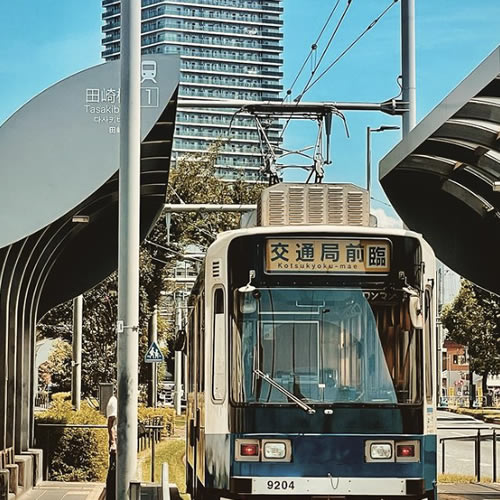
(280,485)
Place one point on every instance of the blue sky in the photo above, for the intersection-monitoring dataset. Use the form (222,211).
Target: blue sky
(42,42)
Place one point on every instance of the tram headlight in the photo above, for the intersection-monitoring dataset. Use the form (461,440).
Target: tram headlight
(274,450)
(381,451)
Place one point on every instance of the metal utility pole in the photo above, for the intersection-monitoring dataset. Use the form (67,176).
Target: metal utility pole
(153,337)
(76,372)
(409,94)
(128,246)
(178,367)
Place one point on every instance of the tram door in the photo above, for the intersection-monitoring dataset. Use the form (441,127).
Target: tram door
(195,401)
(191,400)
(200,396)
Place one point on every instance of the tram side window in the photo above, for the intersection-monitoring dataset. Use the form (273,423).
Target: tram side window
(200,317)
(192,363)
(219,347)
(428,347)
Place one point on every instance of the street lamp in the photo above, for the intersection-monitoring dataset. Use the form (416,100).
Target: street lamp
(382,128)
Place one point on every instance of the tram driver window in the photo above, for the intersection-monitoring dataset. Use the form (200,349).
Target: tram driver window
(325,346)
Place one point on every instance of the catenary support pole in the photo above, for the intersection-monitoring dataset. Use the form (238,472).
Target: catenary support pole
(128,246)
(409,93)
(76,372)
(178,367)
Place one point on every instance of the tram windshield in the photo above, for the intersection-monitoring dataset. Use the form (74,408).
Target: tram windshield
(325,346)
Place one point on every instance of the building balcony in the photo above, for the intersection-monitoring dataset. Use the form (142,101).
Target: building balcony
(109,52)
(230,5)
(110,13)
(114,37)
(111,26)
(272,21)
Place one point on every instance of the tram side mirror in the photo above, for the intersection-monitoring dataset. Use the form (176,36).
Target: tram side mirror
(180,340)
(416,316)
(248,288)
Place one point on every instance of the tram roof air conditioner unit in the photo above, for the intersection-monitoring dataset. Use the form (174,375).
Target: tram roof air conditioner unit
(305,204)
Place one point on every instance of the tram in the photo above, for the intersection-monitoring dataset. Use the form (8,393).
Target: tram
(310,355)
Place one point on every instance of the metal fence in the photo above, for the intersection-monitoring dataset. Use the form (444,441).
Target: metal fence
(477,439)
(149,433)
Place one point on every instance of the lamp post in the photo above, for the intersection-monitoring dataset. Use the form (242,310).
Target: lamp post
(369,130)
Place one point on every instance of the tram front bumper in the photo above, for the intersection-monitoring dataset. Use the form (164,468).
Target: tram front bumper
(328,486)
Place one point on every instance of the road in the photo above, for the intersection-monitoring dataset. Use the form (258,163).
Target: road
(459,455)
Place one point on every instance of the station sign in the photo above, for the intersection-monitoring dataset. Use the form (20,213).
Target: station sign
(326,255)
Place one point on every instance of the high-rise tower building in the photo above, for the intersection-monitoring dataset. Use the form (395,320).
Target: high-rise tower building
(229,49)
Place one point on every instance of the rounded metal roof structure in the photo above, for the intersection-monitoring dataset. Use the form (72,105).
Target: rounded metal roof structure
(444,178)
(60,159)
(59,209)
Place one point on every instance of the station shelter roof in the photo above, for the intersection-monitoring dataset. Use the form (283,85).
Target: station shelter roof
(443,178)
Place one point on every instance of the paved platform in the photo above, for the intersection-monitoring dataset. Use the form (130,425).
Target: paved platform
(469,491)
(56,490)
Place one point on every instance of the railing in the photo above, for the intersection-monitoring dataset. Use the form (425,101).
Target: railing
(478,438)
(42,400)
(149,433)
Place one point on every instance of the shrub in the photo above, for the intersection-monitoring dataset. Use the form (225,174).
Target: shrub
(81,454)
(73,454)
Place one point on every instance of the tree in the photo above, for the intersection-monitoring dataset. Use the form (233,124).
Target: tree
(473,320)
(99,327)
(192,181)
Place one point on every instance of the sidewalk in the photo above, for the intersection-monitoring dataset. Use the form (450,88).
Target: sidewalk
(460,491)
(55,490)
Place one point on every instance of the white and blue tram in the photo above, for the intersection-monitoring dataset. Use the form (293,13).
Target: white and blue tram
(310,358)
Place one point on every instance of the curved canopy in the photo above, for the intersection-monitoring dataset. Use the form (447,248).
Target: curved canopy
(444,177)
(60,161)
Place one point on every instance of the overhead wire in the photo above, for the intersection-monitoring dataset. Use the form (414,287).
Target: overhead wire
(325,50)
(314,47)
(310,84)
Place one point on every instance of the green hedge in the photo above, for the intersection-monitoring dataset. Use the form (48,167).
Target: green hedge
(81,454)
(73,454)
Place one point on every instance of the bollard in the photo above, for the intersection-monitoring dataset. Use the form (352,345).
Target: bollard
(478,455)
(494,455)
(153,452)
(165,485)
(442,455)
(135,490)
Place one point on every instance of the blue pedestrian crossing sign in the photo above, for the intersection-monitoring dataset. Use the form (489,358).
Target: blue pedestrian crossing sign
(154,354)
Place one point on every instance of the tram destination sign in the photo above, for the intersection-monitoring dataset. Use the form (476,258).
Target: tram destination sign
(325,255)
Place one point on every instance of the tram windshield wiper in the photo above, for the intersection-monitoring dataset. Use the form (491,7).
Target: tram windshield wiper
(284,391)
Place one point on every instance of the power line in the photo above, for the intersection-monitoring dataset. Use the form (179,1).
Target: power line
(325,50)
(314,47)
(310,84)
(315,68)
